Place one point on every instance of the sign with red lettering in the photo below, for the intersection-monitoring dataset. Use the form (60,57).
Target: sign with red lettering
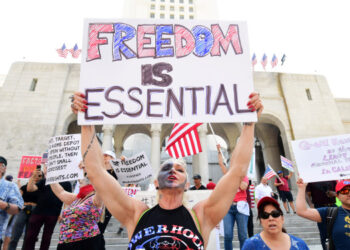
(28,165)
(157,71)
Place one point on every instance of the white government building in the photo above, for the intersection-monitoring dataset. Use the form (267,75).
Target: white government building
(35,105)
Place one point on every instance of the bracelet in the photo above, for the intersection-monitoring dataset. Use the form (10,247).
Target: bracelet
(7,207)
(247,123)
(89,146)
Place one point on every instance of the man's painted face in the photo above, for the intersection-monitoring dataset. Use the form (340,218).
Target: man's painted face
(172,175)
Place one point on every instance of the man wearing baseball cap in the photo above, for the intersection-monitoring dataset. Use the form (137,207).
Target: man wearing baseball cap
(340,234)
(10,198)
(197,179)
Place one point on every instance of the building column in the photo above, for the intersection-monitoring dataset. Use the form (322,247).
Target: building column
(155,147)
(203,157)
(107,143)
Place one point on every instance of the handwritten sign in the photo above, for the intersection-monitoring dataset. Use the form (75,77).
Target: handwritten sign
(157,71)
(133,170)
(324,158)
(131,191)
(28,165)
(64,157)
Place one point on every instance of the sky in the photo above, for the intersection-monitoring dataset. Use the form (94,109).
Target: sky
(314,34)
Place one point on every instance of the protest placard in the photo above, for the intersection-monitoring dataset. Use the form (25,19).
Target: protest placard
(323,158)
(131,191)
(64,157)
(163,71)
(28,165)
(133,170)
(287,164)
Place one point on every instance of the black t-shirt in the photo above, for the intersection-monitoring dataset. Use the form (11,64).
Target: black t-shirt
(29,196)
(318,192)
(166,229)
(48,203)
(200,188)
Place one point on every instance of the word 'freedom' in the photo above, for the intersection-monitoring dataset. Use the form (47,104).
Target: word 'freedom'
(200,40)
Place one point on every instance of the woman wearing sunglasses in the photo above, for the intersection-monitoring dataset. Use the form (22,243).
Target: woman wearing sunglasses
(273,236)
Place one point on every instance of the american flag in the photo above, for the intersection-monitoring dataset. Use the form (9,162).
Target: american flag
(287,164)
(75,51)
(184,140)
(269,173)
(62,52)
(254,61)
(264,61)
(274,61)
(44,158)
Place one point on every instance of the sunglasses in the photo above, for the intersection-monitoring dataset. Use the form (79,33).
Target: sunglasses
(274,214)
(344,191)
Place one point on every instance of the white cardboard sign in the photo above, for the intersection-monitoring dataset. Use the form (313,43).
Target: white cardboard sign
(133,170)
(158,71)
(64,157)
(323,158)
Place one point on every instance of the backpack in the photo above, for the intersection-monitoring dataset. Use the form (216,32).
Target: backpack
(332,213)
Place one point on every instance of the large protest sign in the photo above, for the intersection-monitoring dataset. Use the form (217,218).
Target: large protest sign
(133,170)
(157,71)
(28,165)
(64,157)
(324,158)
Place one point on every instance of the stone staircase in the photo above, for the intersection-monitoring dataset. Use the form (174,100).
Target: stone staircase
(295,225)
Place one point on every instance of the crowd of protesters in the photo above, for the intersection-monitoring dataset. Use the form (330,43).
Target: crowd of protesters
(84,216)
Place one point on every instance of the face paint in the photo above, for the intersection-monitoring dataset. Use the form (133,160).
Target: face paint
(169,176)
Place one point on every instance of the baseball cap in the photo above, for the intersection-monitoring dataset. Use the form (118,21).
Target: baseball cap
(280,172)
(3,160)
(341,184)
(9,177)
(197,176)
(267,200)
(110,153)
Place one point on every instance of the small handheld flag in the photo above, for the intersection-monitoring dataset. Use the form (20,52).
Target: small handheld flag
(63,51)
(184,140)
(269,173)
(287,164)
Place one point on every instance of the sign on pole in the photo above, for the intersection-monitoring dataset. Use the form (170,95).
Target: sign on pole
(323,158)
(157,71)
(64,157)
(133,170)
(28,165)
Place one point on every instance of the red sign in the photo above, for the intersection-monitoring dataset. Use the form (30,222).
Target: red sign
(28,165)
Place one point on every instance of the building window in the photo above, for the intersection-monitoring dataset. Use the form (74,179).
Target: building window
(191,17)
(190,9)
(172,7)
(162,16)
(171,16)
(190,1)
(162,7)
(181,9)
(181,1)
(152,15)
(182,16)
(308,94)
(153,7)
(171,1)
(162,1)
(33,85)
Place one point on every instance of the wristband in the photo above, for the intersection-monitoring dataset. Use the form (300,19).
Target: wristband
(7,207)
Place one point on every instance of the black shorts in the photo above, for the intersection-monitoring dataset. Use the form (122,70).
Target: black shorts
(93,243)
(286,195)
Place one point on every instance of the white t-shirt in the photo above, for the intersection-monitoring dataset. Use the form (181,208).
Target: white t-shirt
(262,190)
